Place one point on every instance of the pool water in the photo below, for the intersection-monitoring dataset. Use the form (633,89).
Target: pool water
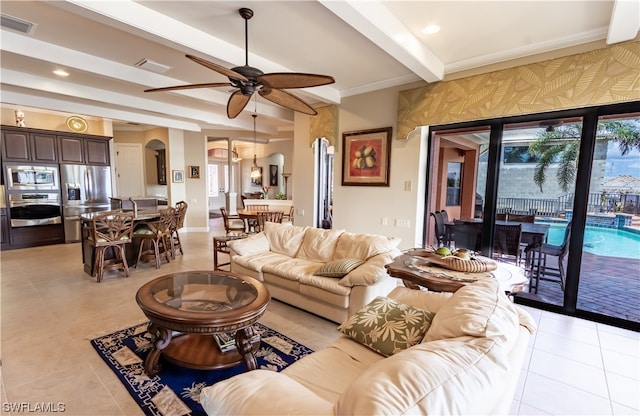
(602,241)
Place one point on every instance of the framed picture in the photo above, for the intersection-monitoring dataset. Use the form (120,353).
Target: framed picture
(194,172)
(257,181)
(177,175)
(273,175)
(366,155)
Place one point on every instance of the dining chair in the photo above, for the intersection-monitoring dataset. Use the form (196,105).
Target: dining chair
(232,223)
(177,224)
(156,236)
(268,216)
(113,230)
(438,228)
(557,273)
(506,242)
(467,235)
(288,217)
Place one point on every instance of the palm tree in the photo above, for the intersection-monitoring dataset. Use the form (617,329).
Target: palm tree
(561,145)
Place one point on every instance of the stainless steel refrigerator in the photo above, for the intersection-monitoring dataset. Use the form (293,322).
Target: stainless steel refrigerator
(85,188)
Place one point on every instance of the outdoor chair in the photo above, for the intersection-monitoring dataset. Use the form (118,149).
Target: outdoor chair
(550,273)
(232,223)
(506,242)
(110,230)
(466,235)
(156,236)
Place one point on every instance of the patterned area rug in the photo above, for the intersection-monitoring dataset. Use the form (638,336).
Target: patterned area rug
(176,390)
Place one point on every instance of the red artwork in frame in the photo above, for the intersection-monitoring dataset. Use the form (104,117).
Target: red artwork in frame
(366,156)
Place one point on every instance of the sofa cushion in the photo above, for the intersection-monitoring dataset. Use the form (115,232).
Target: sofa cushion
(387,326)
(363,246)
(338,268)
(254,244)
(259,392)
(284,239)
(257,262)
(292,268)
(371,272)
(319,244)
(480,309)
(457,376)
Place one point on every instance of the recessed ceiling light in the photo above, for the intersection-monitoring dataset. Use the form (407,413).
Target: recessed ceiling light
(61,73)
(431,29)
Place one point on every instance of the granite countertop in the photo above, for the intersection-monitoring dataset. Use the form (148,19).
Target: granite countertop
(146,213)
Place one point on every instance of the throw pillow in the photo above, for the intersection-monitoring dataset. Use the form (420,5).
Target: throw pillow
(338,268)
(387,326)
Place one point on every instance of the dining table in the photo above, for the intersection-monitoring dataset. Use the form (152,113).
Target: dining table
(250,218)
(533,235)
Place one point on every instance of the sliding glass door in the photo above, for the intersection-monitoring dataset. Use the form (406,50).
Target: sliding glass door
(575,174)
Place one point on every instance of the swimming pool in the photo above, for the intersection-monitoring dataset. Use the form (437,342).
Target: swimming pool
(607,242)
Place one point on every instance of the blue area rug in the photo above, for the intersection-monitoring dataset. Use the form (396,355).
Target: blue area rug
(176,390)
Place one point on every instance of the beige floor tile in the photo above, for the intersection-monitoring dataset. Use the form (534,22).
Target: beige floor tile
(568,348)
(556,398)
(624,391)
(582,376)
(622,364)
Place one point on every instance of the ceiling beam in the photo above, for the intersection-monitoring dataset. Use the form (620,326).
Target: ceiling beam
(373,20)
(137,19)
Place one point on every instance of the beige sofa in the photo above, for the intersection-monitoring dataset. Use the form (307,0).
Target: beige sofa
(468,362)
(285,258)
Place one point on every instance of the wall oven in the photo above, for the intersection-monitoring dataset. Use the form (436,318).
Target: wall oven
(32,177)
(31,209)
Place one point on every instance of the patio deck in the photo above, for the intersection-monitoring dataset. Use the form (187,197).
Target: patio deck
(608,285)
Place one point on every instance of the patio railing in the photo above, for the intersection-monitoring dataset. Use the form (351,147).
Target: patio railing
(556,207)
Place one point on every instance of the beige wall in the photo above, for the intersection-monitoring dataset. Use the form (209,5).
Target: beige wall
(52,120)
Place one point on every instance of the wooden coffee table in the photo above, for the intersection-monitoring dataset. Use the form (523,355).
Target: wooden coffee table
(510,277)
(187,309)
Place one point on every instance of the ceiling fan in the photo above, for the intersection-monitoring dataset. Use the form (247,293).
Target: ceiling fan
(248,80)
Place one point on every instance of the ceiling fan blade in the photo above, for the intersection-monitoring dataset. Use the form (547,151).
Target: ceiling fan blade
(287,100)
(237,103)
(294,80)
(218,68)
(190,86)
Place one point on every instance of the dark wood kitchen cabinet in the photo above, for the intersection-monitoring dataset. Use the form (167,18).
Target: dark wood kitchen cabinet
(26,146)
(21,144)
(83,150)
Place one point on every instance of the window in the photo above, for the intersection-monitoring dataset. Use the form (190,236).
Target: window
(454,183)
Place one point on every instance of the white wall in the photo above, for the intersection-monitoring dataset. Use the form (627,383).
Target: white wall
(362,209)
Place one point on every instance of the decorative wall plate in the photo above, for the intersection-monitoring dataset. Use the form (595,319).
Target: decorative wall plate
(77,124)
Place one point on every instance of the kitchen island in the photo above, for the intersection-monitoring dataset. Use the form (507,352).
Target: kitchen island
(141,216)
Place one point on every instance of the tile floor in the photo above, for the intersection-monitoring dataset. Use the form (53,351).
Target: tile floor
(51,309)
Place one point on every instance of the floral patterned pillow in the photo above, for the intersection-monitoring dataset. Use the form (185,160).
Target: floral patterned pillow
(387,326)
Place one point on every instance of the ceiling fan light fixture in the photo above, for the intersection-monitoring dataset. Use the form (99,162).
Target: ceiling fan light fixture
(255,170)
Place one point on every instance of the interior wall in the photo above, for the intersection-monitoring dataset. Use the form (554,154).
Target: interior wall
(391,211)
(195,145)
(53,120)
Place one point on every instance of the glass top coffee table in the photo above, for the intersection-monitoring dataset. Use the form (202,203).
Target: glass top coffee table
(186,310)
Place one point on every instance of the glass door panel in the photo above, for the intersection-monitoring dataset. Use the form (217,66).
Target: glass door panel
(536,191)
(609,279)
(457,180)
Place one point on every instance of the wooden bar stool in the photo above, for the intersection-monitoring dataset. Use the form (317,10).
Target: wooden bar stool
(156,236)
(110,230)
(177,224)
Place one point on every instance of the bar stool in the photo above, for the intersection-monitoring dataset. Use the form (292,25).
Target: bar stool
(177,224)
(110,230)
(156,236)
